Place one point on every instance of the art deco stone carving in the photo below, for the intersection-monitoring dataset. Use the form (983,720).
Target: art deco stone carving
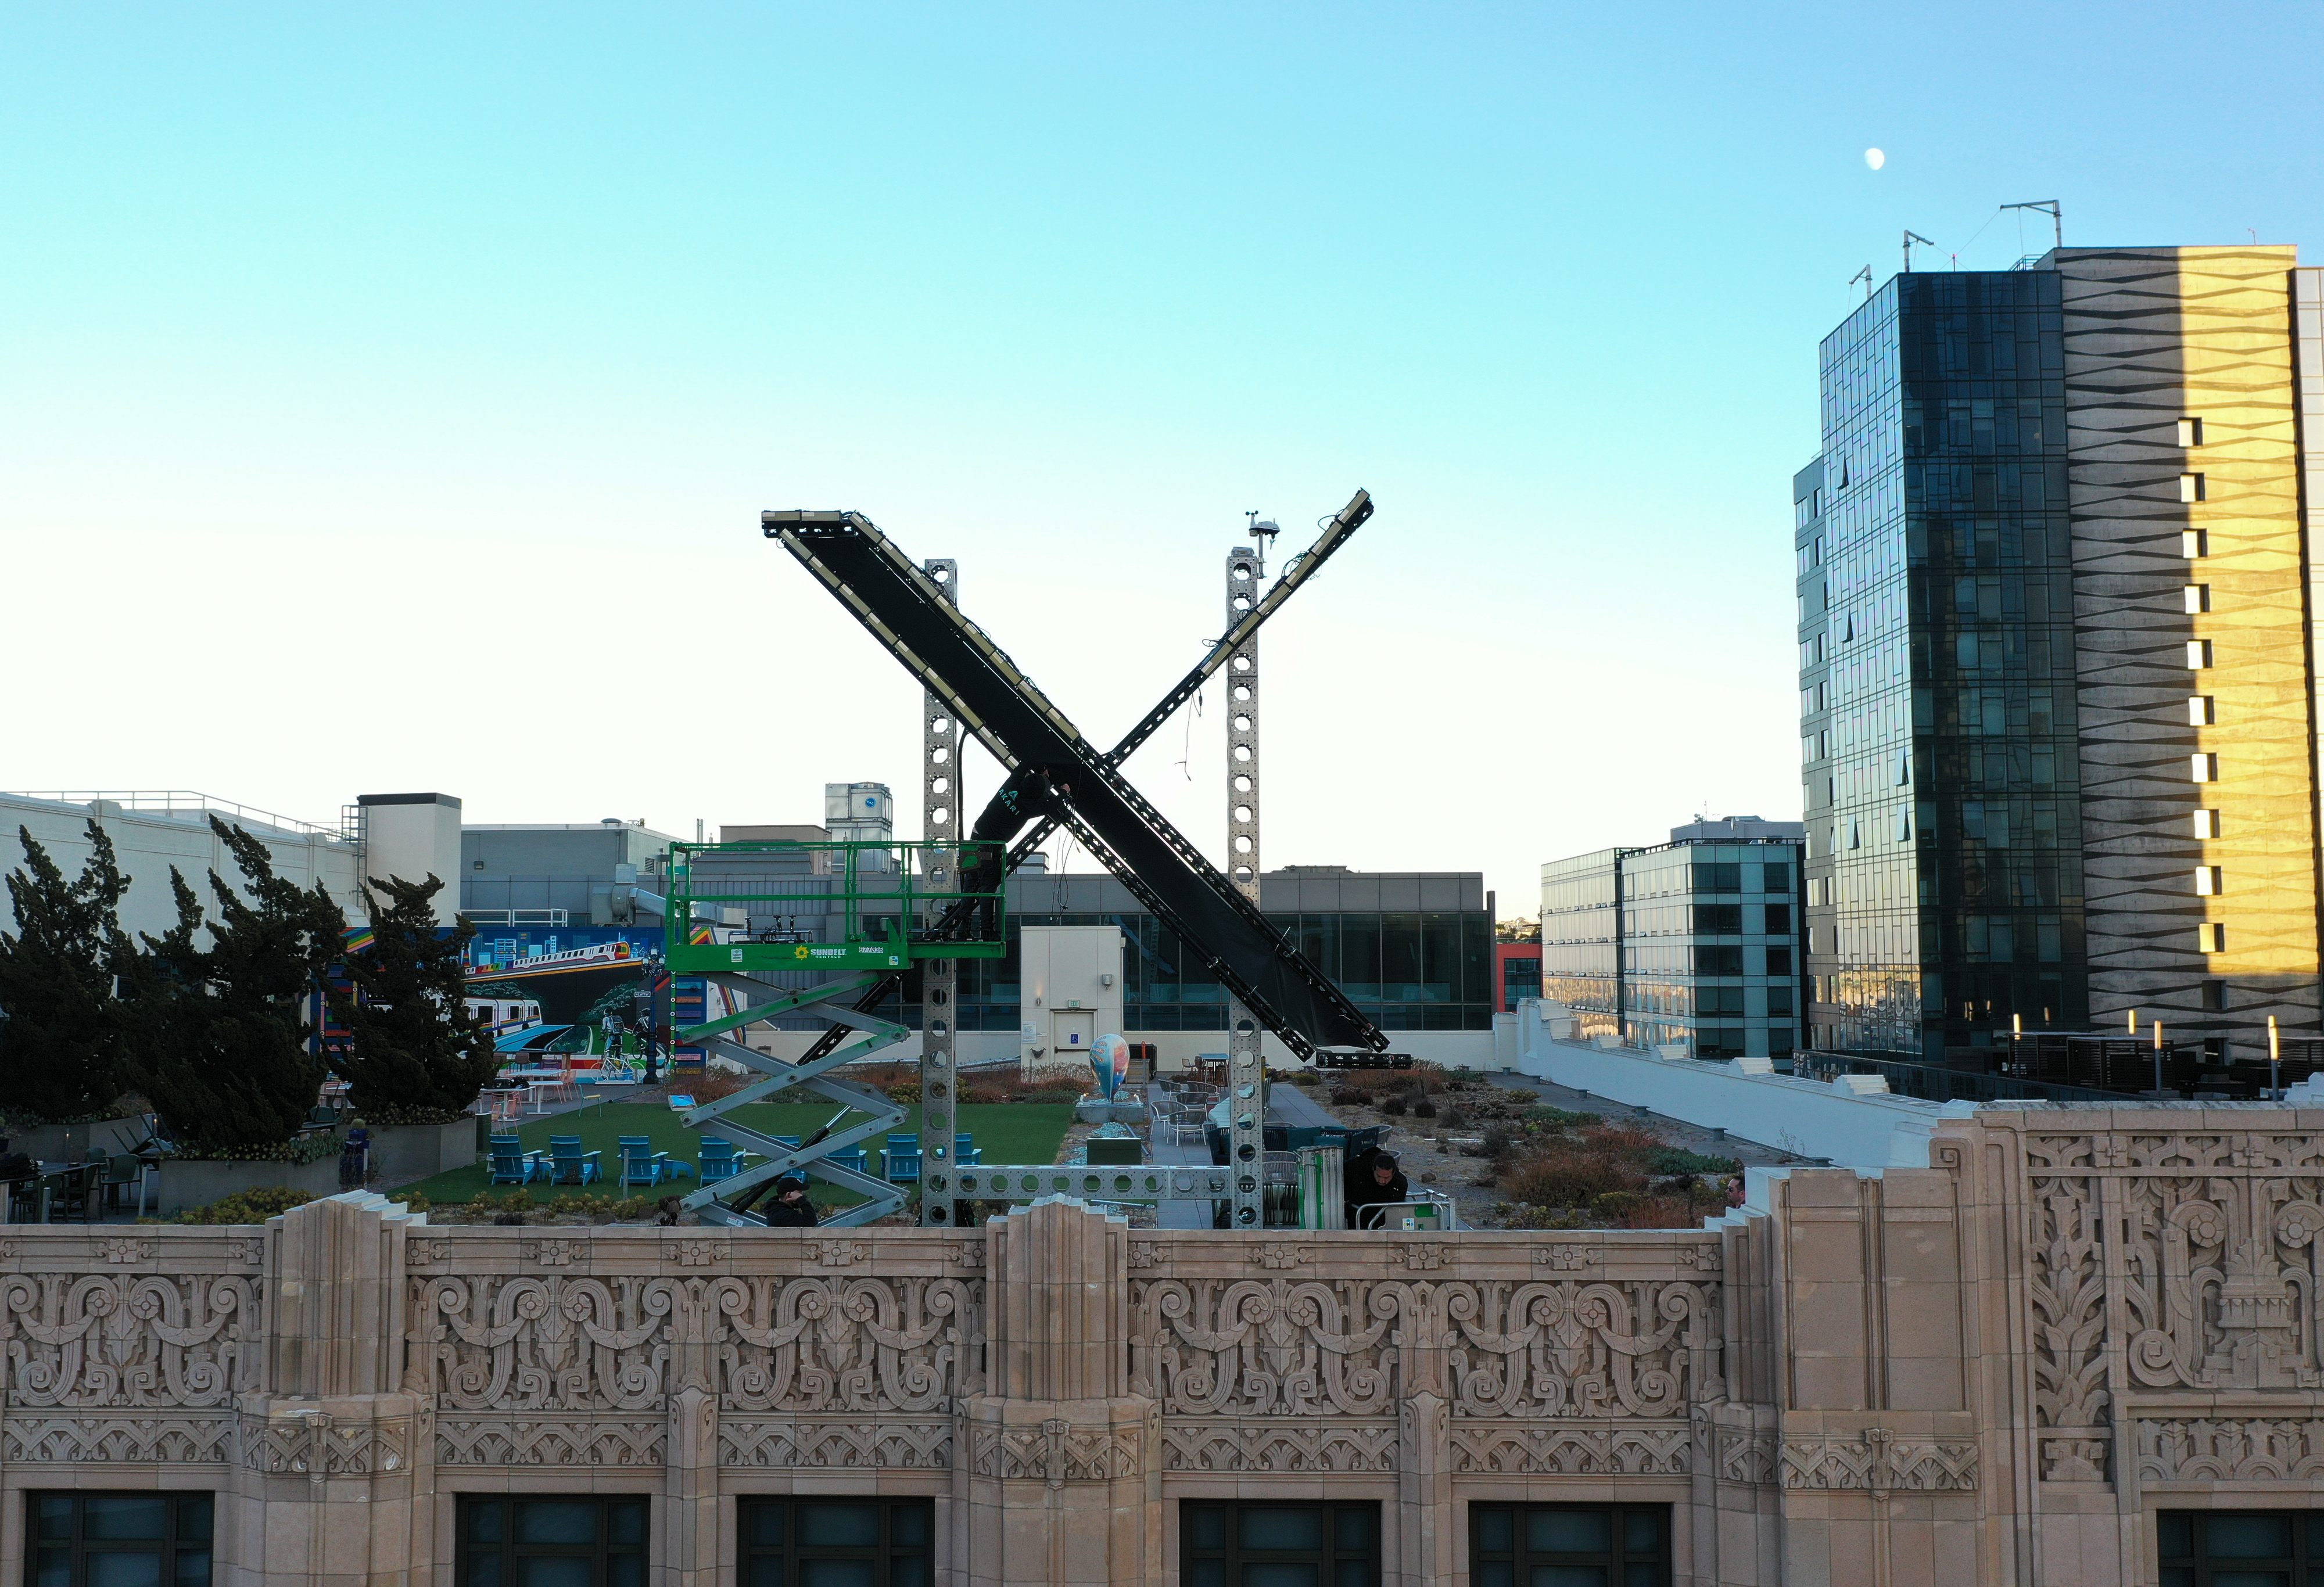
(771,1343)
(314,1444)
(2230,1450)
(107,1339)
(884,1444)
(1879,1462)
(1565,1450)
(2214,1284)
(1056,1452)
(1334,1447)
(591,1442)
(144,1440)
(1547,1347)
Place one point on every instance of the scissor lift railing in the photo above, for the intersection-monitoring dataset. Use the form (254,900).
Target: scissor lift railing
(875,909)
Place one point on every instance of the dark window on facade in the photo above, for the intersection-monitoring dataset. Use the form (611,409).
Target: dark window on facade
(1569,1545)
(1776,878)
(1779,919)
(2241,1548)
(1718,876)
(117,1539)
(1717,1000)
(836,1542)
(1263,1544)
(1719,920)
(513,1541)
(1719,960)
(1779,961)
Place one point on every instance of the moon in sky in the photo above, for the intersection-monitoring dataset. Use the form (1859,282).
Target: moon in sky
(1875,159)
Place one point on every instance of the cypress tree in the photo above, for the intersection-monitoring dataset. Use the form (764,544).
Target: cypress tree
(60,1054)
(413,1051)
(223,1039)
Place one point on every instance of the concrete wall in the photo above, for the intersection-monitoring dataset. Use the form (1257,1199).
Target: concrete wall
(413,836)
(1806,1117)
(148,844)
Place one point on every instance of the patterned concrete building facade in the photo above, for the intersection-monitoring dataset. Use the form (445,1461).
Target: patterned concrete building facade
(2059,1347)
(2058,701)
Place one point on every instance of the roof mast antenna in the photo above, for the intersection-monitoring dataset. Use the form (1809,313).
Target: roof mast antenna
(2048,207)
(1863,276)
(1911,237)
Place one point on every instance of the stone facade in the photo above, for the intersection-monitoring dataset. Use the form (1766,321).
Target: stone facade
(1991,1369)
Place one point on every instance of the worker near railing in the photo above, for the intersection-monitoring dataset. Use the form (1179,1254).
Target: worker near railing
(1373,1181)
(791,1208)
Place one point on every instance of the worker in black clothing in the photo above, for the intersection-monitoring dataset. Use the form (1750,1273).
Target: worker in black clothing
(1373,1182)
(792,1210)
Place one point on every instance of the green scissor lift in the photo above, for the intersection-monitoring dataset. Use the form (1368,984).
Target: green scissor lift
(845,915)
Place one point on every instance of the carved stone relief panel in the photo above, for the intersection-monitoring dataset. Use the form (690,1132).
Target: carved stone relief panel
(802,1344)
(175,1440)
(786,1443)
(2169,1261)
(1547,1347)
(2230,1450)
(592,1442)
(1273,1448)
(1880,1460)
(92,1339)
(1057,1451)
(1506,1448)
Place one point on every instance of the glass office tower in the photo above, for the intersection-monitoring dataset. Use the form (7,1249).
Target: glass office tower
(1937,666)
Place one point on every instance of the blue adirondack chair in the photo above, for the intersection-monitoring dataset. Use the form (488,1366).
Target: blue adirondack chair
(569,1165)
(855,1158)
(965,1152)
(902,1159)
(720,1160)
(512,1165)
(640,1164)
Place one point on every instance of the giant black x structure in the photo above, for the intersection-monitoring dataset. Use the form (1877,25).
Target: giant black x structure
(1080,786)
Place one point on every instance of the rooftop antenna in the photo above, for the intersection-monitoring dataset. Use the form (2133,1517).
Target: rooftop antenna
(1911,237)
(1263,531)
(2048,207)
(1863,276)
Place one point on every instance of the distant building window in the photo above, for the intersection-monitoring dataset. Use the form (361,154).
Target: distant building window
(853,1542)
(1779,961)
(1719,960)
(2215,997)
(2205,767)
(1718,876)
(1255,1543)
(1779,1002)
(1532,1544)
(2201,711)
(2194,542)
(569,1541)
(2208,881)
(2190,487)
(2211,938)
(2215,1549)
(2198,652)
(2197,598)
(1776,878)
(2191,432)
(1779,920)
(1719,920)
(2206,823)
(91,1539)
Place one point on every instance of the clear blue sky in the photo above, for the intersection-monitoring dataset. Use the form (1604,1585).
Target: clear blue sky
(387,394)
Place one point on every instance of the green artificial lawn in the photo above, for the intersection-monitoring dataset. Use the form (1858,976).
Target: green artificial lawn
(1013,1132)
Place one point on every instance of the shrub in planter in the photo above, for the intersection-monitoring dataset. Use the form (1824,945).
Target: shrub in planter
(254,1205)
(1393,1105)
